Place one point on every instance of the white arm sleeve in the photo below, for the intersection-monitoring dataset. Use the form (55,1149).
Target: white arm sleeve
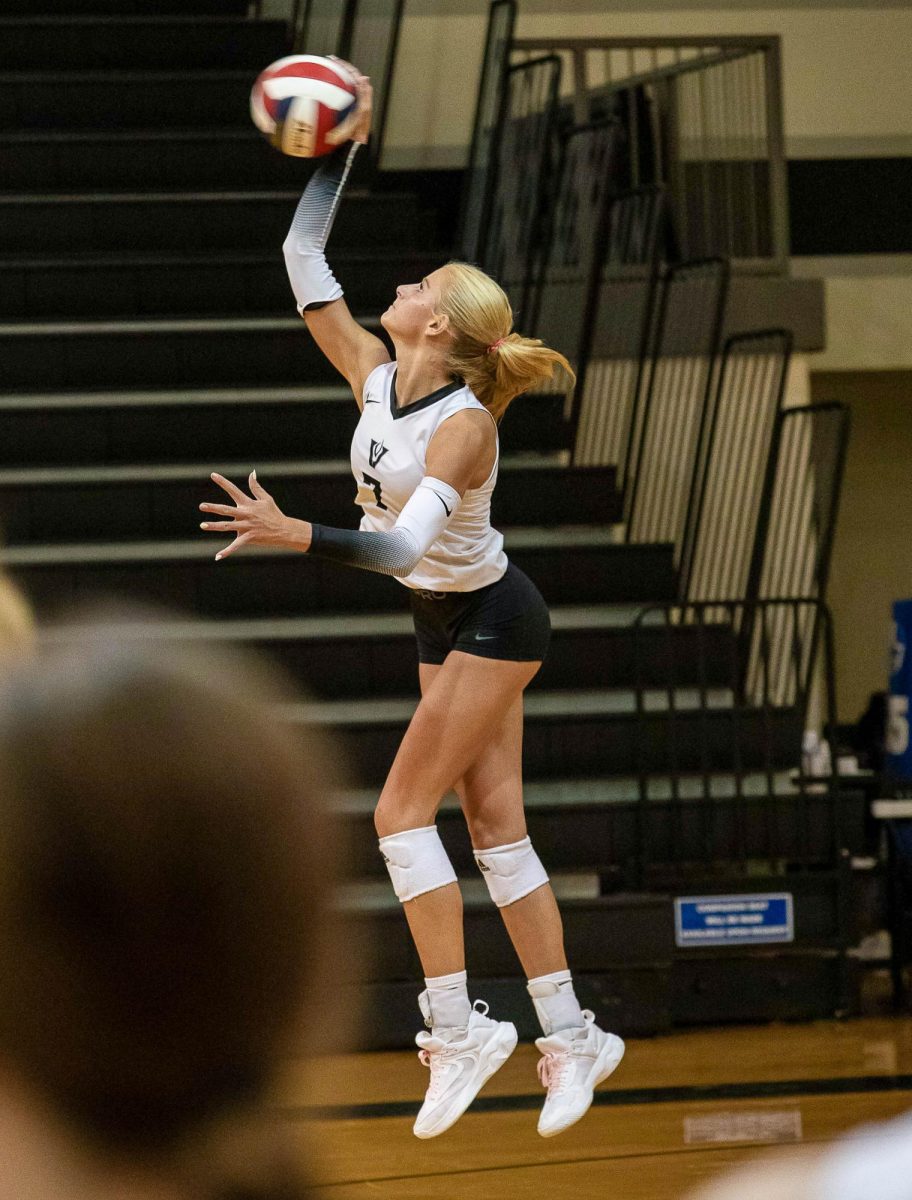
(312,282)
(424,517)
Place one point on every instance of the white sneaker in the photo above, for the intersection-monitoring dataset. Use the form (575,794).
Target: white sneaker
(459,1069)
(574,1061)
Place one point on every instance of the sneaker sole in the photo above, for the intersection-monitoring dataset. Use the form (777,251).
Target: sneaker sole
(606,1064)
(505,1045)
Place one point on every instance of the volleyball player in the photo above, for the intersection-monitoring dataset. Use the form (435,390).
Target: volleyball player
(425,458)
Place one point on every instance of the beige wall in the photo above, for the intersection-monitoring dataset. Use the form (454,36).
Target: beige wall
(872,554)
(868,302)
(845,70)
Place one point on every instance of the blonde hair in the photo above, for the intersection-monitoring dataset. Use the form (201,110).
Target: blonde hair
(497,364)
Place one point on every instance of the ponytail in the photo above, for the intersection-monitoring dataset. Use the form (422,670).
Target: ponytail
(496,364)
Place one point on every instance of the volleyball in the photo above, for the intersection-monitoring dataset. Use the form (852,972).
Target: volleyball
(298,100)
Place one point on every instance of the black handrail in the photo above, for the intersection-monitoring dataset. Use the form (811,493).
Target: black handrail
(734,471)
(735,734)
(477,193)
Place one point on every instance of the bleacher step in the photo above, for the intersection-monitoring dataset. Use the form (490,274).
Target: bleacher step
(171,41)
(33,8)
(587,568)
(194,425)
(148,160)
(197,221)
(78,504)
(55,100)
(191,284)
(142,354)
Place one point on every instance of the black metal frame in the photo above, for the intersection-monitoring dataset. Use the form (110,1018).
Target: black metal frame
(495,62)
(613,205)
(728,736)
(773,341)
(710,351)
(522,288)
(718,51)
(549,226)
(762,547)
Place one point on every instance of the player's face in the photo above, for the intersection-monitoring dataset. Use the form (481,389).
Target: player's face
(415,306)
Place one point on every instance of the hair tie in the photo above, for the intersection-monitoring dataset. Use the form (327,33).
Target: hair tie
(495,345)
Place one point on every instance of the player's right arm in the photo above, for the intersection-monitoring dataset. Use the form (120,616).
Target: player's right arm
(350,348)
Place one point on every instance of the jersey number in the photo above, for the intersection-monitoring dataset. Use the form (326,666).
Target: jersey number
(377,489)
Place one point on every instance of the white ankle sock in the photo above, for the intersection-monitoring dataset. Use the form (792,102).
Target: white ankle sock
(555,1002)
(446,1001)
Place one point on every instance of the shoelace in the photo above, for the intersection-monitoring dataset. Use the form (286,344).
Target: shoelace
(439,1068)
(435,1060)
(555,1072)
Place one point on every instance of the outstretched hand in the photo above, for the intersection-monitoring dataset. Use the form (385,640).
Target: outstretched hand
(357,125)
(255,520)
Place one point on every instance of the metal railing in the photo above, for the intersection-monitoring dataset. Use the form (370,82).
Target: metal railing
(725,509)
(703,116)
(574,236)
(723,753)
(664,446)
(615,329)
(515,216)
(800,503)
(478,187)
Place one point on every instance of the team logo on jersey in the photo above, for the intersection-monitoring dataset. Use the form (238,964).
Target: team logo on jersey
(377,451)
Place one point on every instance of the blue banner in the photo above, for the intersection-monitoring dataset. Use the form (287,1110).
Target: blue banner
(898,763)
(755,920)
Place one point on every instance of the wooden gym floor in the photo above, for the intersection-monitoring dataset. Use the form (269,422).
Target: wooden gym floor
(679,1110)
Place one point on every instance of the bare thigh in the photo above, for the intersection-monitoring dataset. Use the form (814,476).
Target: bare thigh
(490,790)
(466,733)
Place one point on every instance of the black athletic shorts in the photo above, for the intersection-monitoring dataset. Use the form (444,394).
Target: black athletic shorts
(507,619)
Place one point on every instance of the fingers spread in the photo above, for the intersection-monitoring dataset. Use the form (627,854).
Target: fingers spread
(226,485)
(225,510)
(235,545)
(257,488)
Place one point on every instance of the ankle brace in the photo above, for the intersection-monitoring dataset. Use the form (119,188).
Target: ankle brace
(556,1005)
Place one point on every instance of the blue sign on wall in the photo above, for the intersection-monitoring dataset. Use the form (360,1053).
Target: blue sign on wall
(734,920)
(898,745)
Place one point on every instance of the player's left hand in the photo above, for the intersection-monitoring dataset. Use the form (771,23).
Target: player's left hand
(256,520)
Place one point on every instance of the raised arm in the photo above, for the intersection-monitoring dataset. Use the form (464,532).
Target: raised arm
(351,349)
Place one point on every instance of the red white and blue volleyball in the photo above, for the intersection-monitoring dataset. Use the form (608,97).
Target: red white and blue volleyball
(298,100)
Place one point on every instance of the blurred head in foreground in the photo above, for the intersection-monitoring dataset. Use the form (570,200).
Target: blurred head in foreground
(162,881)
(17,627)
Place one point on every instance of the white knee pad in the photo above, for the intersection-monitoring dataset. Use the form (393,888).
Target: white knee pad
(511,872)
(417,862)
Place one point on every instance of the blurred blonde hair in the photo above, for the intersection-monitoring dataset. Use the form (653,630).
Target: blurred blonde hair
(480,315)
(17,625)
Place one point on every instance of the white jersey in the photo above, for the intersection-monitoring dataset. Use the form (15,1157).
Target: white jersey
(389,460)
